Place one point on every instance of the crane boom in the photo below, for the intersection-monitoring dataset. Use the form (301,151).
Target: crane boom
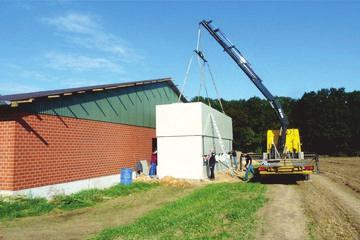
(240,60)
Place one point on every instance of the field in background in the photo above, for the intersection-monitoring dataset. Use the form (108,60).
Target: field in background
(343,170)
(332,199)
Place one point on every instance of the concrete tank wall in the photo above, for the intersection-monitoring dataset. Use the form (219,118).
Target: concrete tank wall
(185,133)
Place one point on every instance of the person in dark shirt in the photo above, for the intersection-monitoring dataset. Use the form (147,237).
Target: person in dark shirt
(248,166)
(212,162)
(248,160)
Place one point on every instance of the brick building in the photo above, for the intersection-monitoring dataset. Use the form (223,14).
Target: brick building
(62,141)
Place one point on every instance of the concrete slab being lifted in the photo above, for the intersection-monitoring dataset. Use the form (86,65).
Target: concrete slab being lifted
(185,132)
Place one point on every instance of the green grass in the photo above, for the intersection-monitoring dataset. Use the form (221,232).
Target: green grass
(81,199)
(311,225)
(22,207)
(217,211)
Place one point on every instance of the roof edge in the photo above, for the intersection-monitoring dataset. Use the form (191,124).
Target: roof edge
(29,97)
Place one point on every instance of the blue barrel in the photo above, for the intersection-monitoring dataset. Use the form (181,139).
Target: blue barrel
(126,176)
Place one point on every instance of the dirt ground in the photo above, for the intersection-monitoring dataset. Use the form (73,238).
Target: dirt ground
(325,207)
(81,223)
(283,216)
(332,199)
(342,170)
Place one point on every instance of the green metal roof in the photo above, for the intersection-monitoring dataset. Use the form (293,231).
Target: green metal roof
(132,104)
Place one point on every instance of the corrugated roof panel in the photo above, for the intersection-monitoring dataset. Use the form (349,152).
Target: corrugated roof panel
(133,106)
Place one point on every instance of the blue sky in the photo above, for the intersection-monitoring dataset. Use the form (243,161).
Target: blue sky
(293,46)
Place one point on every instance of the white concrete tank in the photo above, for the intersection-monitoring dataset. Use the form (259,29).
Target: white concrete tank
(185,132)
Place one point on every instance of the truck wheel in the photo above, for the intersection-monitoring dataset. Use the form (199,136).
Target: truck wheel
(306,177)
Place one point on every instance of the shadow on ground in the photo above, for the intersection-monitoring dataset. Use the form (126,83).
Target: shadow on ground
(278,179)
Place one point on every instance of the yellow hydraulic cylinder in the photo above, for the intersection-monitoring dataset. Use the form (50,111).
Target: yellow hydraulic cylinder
(292,144)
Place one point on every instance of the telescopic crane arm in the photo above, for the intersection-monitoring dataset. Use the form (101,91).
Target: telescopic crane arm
(240,60)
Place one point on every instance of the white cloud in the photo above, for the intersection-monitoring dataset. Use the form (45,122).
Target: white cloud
(80,82)
(80,63)
(86,31)
(12,88)
(97,56)
(74,23)
(29,74)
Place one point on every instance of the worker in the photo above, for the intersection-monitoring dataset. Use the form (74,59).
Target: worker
(316,158)
(241,159)
(153,164)
(234,158)
(212,162)
(206,164)
(248,166)
(139,168)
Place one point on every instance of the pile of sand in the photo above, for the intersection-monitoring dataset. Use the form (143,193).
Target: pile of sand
(146,178)
(167,181)
(185,183)
(174,182)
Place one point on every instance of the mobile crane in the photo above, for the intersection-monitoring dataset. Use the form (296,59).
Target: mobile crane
(284,156)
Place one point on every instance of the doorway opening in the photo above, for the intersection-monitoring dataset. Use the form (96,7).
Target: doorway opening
(154,144)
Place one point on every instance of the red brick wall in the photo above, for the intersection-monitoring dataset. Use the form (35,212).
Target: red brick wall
(51,149)
(7,150)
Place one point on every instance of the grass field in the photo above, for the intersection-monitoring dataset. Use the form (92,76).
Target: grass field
(216,211)
(22,207)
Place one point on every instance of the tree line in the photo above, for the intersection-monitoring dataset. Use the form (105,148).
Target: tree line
(328,121)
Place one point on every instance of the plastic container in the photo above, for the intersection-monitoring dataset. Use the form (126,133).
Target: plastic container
(126,176)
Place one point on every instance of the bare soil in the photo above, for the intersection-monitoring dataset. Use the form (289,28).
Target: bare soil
(82,223)
(342,170)
(283,216)
(332,199)
(325,207)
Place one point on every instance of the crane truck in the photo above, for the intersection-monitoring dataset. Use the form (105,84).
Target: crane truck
(283,154)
